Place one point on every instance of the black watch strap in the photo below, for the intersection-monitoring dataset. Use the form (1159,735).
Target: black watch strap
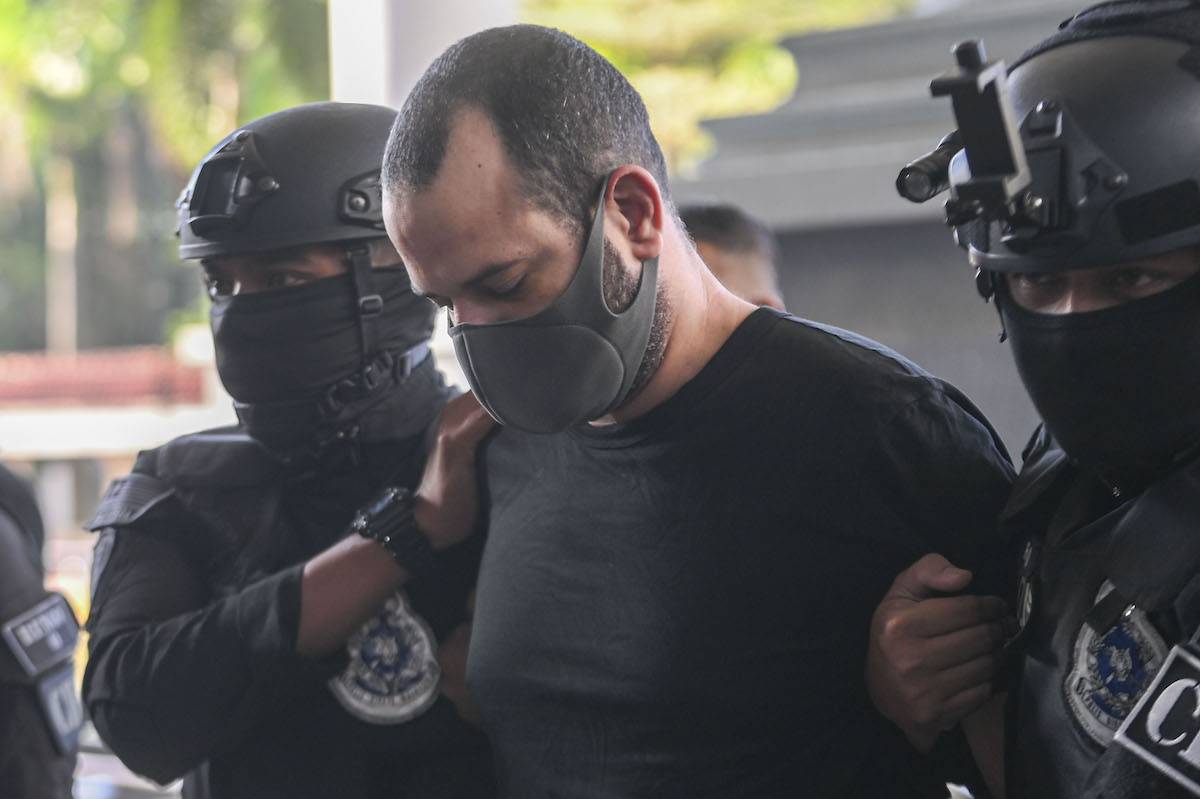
(388,519)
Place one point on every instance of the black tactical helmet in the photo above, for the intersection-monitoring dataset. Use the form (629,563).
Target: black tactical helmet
(1108,110)
(306,175)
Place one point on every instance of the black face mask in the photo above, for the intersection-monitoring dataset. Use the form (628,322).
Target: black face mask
(281,353)
(1118,388)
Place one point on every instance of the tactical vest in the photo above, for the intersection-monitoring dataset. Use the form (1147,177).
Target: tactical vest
(219,495)
(215,490)
(1106,588)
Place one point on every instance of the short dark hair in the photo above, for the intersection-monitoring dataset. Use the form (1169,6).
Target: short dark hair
(566,117)
(729,228)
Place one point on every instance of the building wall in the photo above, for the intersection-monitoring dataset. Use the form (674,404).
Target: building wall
(908,287)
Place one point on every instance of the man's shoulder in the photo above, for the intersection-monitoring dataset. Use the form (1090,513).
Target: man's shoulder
(836,383)
(799,351)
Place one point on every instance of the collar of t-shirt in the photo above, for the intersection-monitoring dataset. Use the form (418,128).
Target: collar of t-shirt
(736,350)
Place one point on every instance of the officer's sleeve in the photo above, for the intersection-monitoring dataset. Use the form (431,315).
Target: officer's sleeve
(175,676)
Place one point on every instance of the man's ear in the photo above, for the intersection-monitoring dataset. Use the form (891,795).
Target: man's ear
(634,206)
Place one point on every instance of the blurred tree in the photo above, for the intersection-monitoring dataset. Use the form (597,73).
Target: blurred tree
(696,59)
(105,105)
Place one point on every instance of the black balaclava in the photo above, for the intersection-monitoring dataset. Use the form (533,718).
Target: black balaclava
(292,359)
(1118,388)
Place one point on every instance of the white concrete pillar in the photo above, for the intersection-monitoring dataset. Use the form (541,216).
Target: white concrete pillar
(378,49)
(55,488)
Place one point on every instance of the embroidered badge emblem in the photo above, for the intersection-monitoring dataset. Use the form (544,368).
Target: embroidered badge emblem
(393,673)
(1111,670)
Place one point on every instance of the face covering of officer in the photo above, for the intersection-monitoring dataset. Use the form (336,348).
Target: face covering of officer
(1115,374)
(319,338)
(294,363)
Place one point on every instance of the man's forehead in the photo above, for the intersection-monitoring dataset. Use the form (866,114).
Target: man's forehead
(472,215)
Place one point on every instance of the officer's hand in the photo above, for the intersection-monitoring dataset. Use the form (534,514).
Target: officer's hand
(931,659)
(447,506)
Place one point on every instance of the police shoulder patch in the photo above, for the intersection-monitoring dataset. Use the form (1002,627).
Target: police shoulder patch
(1111,669)
(43,636)
(393,674)
(1163,730)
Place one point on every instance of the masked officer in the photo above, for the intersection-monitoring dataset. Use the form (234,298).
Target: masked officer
(1094,265)
(248,627)
(40,714)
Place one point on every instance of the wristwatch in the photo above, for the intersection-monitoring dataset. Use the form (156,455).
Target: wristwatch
(388,519)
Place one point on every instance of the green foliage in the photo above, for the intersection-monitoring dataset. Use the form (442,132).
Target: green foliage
(697,59)
(78,78)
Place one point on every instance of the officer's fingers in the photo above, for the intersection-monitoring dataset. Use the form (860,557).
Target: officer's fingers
(929,576)
(944,615)
(962,646)
(964,703)
(952,682)
(463,423)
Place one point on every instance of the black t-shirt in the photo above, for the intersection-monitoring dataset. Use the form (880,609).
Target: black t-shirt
(679,606)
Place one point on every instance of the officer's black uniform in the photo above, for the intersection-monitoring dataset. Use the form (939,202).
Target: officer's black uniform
(1084,156)
(39,712)
(1106,588)
(194,621)
(197,573)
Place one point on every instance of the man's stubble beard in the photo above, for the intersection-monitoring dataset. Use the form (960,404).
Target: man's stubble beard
(620,290)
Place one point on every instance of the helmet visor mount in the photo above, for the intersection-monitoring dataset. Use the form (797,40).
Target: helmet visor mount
(227,186)
(1097,168)
(1071,185)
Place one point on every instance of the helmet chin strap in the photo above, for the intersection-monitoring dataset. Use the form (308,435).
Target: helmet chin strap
(370,303)
(380,372)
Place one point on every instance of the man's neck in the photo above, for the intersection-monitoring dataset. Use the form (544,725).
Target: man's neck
(704,315)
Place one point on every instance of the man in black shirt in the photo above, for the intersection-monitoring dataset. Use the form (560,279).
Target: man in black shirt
(694,504)
(275,612)
(40,714)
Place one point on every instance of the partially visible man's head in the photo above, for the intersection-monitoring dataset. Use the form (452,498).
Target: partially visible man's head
(740,250)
